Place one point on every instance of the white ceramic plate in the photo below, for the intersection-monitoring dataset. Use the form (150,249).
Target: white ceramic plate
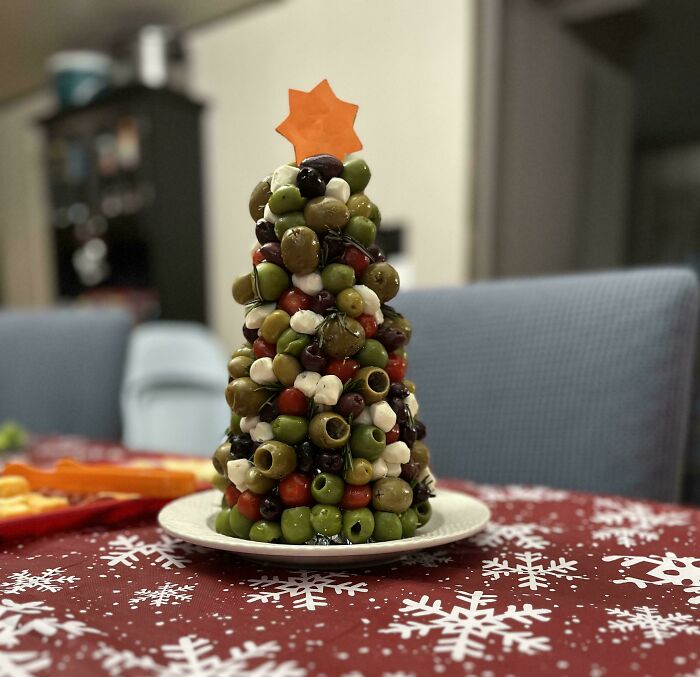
(455,516)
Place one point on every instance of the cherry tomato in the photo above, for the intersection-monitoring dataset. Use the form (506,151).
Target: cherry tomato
(396,368)
(249,505)
(393,435)
(293,402)
(354,258)
(295,490)
(369,324)
(261,348)
(231,495)
(294,299)
(355,497)
(258,257)
(344,369)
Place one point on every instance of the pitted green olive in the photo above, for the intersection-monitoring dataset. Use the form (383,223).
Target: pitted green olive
(286,199)
(245,396)
(387,526)
(367,441)
(350,302)
(286,368)
(392,494)
(239,366)
(275,459)
(266,532)
(244,351)
(329,430)
(272,280)
(359,205)
(325,213)
(357,174)
(290,429)
(358,525)
(243,289)
(372,354)
(274,325)
(420,454)
(258,198)
(409,523)
(424,511)
(240,525)
(382,279)
(300,250)
(359,472)
(373,384)
(257,482)
(221,457)
(222,525)
(341,336)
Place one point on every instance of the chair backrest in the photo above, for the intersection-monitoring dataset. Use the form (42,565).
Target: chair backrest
(580,381)
(173,394)
(61,370)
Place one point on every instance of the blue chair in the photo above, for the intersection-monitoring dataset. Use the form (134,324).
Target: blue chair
(61,370)
(580,382)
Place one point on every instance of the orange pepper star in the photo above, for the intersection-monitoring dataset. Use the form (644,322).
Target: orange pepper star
(319,122)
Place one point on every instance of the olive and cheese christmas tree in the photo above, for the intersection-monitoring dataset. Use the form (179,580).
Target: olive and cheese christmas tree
(325,444)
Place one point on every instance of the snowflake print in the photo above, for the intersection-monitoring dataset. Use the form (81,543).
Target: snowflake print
(669,569)
(654,625)
(305,588)
(531,569)
(521,535)
(163,595)
(49,580)
(517,492)
(428,559)
(19,619)
(631,523)
(193,656)
(170,551)
(21,663)
(466,630)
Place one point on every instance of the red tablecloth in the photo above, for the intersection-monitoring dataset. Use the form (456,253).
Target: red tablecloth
(559,583)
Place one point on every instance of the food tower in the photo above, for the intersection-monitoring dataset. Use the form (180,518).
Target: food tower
(325,445)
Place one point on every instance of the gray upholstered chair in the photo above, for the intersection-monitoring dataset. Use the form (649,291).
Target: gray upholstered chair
(580,381)
(61,370)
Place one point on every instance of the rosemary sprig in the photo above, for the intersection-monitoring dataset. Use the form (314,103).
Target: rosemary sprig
(389,311)
(347,459)
(252,305)
(352,385)
(256,283)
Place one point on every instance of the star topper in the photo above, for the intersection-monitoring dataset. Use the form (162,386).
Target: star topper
(319,122)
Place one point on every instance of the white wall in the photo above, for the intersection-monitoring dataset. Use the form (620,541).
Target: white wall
(407,63)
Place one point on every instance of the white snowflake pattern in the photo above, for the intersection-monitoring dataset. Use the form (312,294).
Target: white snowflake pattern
(163,595)
(305,588)
(531,569)
(193,656)
(669,569)
(466,630)
(49,580)
(518,492)
(128,549)
(652,623)
(19,619)
(630,522)
(23,663)
(430,559)
(520,535)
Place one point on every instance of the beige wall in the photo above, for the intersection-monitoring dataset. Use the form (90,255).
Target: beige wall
(407,63)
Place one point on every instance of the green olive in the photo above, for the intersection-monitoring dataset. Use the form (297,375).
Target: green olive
(372,354)
(259,198)
(221,457)
(234,427)
(359,473)
(325,213)
(373,384)
(286,199)
(350,302)
(387,526)
(359,205)
(358,525)
(392,494)
(244,351)
(290,429)
(243,290)
(409,523)
(222,524)
(292,343)
(375,216)
(275,459)
(337,276)
(410,385)
(245,396)
(266,532)
(341,336)
(286,368)
(420,454)
(257,482)
(300,250)
(272,280)
(382,279)
(274,325)
(357,174)
(240,525)
(327,489)
(326,520)
(329,430)
(363,230)
(296,525)
(220,482)
(287,221)
(239,366)
(367,441)
(424,511)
